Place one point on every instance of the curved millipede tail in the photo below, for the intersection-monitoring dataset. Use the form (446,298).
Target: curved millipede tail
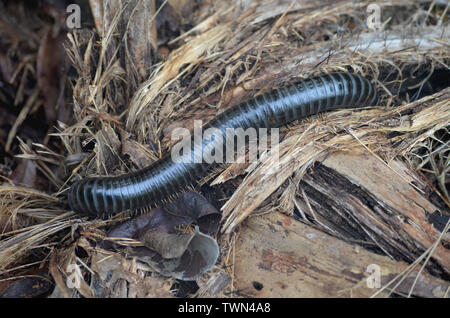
(143,189)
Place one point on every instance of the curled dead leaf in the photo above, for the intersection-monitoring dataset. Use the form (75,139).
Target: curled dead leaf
(182,256)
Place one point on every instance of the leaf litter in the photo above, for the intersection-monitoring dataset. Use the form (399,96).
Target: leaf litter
(123,117)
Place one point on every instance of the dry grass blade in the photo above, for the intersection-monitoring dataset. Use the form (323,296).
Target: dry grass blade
(17,245)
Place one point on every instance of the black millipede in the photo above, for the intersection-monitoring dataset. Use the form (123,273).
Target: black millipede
(142,189)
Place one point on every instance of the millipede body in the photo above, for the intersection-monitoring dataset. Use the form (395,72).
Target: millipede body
(139,190)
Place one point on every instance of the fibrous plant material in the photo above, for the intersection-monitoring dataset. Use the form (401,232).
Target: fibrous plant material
(278,257)
(205,59)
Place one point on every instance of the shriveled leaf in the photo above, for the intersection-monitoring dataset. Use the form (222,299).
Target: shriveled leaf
(189,207)
(177,255)
(166,244)
(199,254)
